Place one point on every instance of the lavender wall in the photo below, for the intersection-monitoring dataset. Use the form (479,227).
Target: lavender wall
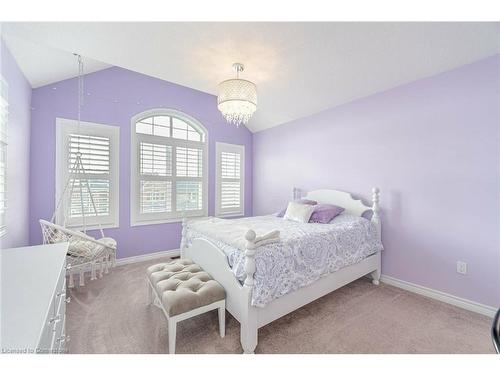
(18,152)
(115,95)
(432,146)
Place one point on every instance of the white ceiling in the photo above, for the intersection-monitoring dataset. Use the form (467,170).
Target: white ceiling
(43,65)
(299,68)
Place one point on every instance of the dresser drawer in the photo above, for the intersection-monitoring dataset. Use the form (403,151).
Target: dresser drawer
(58,337)
(61,298)
(60,293)
(63,340)
(47,334)
(54,324)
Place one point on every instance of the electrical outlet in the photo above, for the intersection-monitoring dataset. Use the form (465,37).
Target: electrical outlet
(462,267)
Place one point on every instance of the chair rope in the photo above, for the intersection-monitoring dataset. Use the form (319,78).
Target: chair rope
(83,250)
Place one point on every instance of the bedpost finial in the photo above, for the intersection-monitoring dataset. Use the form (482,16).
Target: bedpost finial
(250,235)
(375,194)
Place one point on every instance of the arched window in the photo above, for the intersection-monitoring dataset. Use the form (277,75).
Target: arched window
(169,167)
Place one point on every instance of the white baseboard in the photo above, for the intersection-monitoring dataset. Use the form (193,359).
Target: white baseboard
(145,257)
(440,296)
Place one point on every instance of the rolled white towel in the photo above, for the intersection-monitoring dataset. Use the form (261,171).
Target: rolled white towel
(270,237)
(267,242)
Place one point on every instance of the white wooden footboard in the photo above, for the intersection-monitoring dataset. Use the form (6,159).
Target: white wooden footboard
(238,297)
(214,261)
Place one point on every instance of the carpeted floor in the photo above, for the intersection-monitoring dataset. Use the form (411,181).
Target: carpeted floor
(110,315)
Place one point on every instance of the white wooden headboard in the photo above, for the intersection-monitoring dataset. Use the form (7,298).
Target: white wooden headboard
(352,206)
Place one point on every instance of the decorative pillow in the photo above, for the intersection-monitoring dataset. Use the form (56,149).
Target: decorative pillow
(301,201)
(324,213)
(299,212)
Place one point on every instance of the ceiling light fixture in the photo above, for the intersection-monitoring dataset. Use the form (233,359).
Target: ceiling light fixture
(237,98)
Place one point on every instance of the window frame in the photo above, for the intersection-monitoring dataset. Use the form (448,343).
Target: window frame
(221,147)
(4,98)
(136,217)
(65,127)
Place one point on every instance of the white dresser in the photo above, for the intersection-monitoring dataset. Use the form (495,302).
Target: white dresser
(33,299)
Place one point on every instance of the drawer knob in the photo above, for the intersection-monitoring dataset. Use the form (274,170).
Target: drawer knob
(68,267)
(63,338)
(55,319)
(68,300)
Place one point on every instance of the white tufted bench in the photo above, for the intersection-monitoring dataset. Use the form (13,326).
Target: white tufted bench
(183,290)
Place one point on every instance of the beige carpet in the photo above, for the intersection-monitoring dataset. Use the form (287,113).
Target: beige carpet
(110,315)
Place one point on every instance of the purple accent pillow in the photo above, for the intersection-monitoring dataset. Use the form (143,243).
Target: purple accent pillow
(301,201)
(324,213)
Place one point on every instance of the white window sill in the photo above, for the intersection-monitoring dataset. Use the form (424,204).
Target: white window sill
(93,227)
(230,214)
(164,221)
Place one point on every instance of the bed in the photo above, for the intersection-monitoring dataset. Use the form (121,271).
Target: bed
(264,283)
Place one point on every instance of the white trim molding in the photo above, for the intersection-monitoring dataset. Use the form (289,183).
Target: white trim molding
(145,257)
(440,296)
(64,128)
(175,214)
(235,149)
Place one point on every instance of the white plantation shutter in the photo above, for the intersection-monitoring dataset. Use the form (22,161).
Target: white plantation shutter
(95,156)
(168,167)
(189,173)
(99,147)
(4,114)
(156,160)
(230,179)
(188,162)
(155,169)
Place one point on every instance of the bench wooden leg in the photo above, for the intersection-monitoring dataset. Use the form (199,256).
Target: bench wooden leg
(150,292)
(71,282)
(172,328)
(82,277)
(222,321)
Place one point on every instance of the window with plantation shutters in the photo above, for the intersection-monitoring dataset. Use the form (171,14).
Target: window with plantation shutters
(4,114)
(95,152)
(98,146)
(230,161)
(169,172)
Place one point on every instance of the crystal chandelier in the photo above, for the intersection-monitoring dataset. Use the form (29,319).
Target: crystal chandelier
(237,98)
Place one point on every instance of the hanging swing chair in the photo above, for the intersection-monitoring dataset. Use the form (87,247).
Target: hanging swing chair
(85,253)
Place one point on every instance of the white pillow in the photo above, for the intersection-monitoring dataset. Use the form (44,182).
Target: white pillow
(298,212)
